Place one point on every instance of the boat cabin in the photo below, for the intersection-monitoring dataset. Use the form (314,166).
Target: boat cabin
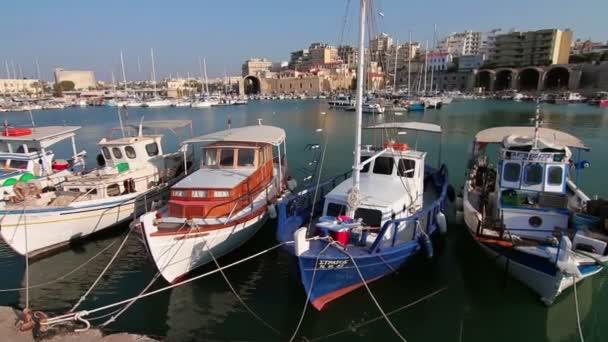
(131,152)
(27,151)
(236,166)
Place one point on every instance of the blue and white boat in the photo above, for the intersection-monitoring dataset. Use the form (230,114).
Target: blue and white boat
(373,221)
(524,210)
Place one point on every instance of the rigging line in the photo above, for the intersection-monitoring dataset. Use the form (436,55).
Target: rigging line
(312,283)
(65,275)
(578,315)
(314,200)
(344,23)
(162,289)
(83,297)
(377,318)
(256,316)
(384,315)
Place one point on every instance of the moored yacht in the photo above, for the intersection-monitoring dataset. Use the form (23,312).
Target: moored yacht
(220,206)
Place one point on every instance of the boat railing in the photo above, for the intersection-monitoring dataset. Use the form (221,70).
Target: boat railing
(250,193)
(426,215)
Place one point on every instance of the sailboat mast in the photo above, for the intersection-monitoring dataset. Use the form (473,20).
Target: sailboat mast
(426,63)
(124,76)
(434,47)
(409,62)
(205,71)
(359,106)
(395,69)
(153,72)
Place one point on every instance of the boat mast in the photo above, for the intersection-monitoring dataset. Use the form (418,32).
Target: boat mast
(205,71)
(354,192)
(124,76)
(426,63)
(153,72)
(395,68)
(409,62)
(434,47)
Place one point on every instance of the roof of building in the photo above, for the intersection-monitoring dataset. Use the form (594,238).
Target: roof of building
(257,134)
(498,134)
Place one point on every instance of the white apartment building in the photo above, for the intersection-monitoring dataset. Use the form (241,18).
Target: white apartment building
(461,43)
(83,79)
(439,61)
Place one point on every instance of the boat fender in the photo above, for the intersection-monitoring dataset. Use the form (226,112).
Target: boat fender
(427,245)
(272,211)
(451,193)
(292,184)
(459,217)
(565,262)
(441,222)
(301,245)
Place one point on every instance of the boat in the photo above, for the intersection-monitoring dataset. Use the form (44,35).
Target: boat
(181,103)
(341,101)
(204,103)
(527,214)
(133,174)
(600,99)
(369,108)
(446,100)
(156,102)
(364,226)
(27,156)
(219,207)
(416,106)
(431,102)
(226,101)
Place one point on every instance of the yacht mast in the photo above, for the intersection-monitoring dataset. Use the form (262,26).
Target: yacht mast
(434,47)
(395,68)
(409,62)
(153,72)
(205,71)
(124,76)
(353,196)
(426,63)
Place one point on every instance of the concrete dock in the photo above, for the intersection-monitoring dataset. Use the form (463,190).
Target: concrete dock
(9,332)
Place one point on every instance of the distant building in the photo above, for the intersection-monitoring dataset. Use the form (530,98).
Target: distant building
(453,81)
(403,53)
(10,86)
(256,66)
(470,62)
(83,79)
(297,59)
(461,43)
(348,55)
(379,46)
(542,47)
(179,87)
(279,66)
(438,61)
(580,47)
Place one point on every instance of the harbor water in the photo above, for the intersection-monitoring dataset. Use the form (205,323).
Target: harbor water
(478,302)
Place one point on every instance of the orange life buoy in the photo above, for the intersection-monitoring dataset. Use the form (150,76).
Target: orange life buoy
(16,132)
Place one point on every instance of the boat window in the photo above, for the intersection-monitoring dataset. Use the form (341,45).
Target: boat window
(227,158)
(130,152)
(246,157)
(211,157)
(555,175)
(198,194)
(3,147)
(152,149)
(178,193)
(406,168)
(91,191)
(335,209)
(533,174)
(21,149)
(366,166)
(221,193)
(106,153)
(116,152)
(113,190)
(370,217)
(512,171)
(384,165)
(19,164)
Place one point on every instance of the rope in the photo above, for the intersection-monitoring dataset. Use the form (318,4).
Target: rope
(83,297)
(256,316)
(359,325)
(65,275)
(372,295)
(578,315)
(312,282)
(27,261)
(71,316)
(314,200)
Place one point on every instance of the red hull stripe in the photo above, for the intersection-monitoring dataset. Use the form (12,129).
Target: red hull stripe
(320,302)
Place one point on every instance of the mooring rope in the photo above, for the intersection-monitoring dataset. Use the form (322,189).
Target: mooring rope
(83,313)
(578,315)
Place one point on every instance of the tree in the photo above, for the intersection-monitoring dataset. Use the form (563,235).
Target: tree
(67,85)
(57,92)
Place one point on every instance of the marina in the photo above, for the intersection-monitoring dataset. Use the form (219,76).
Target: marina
(474,296)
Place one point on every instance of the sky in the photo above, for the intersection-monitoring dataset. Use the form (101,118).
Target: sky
(77,34)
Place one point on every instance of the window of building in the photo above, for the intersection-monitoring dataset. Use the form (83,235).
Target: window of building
(384,165)
(406,168)
(533,174)
(116,152)
(246,157)
(113,190)
(130,152)
(152,149)
(227,158)
(512,172)
(555,175)
(106,153)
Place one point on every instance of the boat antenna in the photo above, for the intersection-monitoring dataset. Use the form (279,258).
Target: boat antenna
(537,123)
(141,127)
(32,119)
(122,128)
(354,197)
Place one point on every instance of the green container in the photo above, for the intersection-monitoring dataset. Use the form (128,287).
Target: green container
(510,199)
(122,167)
(26,177)
(9,182)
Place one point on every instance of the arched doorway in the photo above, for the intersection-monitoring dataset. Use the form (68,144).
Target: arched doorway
(252,85)
(528,79)
(503,79)
(557,78)
(484,80)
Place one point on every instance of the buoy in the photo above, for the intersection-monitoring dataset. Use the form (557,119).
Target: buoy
(458,203)
(16,132)
(301,245)
(292,184)
(427,245)
(441,222)
(459,217)
(272,211)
